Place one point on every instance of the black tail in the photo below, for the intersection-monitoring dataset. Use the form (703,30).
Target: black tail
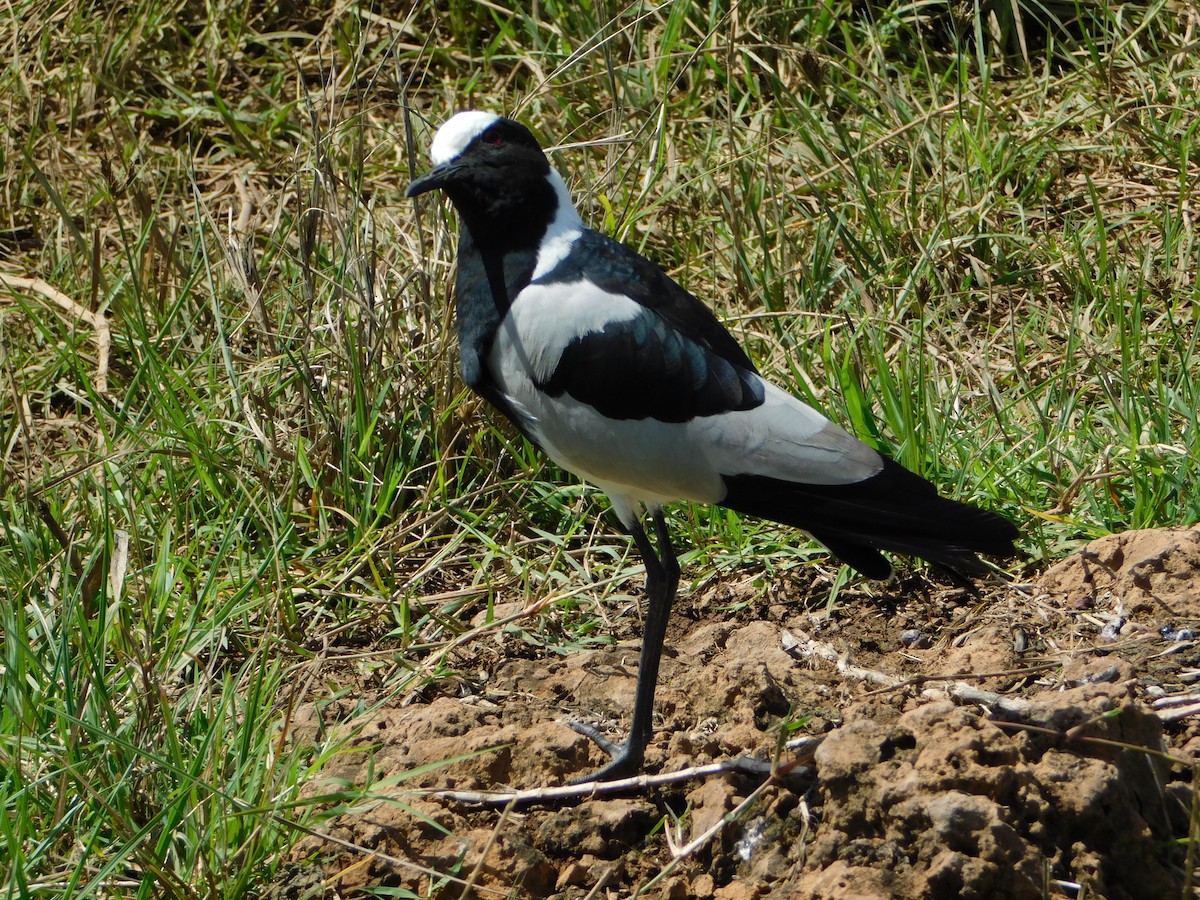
(894,510)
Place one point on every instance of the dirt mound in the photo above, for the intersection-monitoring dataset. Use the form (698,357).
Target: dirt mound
(945,803)
(1139,572)
(1047,774)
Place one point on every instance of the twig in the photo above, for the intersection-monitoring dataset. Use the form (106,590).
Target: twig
(810,648)
(600,884)
(968,693)
(639,783)
(483,854)
(958,690)
(978,676)
(367,853)
(99,324)
(1177,706)
(1075,735)
(683,853)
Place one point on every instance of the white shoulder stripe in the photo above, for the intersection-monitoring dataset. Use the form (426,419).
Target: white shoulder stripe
(562,233)
(545,318)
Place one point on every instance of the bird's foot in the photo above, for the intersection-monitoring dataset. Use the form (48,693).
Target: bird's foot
(626,759)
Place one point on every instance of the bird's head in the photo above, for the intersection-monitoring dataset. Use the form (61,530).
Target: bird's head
(497,177)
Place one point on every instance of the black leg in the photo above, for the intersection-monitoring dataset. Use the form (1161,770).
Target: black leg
(662,580)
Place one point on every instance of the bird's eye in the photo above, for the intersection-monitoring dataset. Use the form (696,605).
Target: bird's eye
(494,138)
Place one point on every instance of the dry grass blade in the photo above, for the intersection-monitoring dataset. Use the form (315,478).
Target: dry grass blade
(102,334)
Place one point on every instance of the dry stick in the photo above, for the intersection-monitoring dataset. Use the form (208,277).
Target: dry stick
(1004,673)
(99,324)
(603,881)
(1170,709)
(1010,706)
(483,854)
(391,860)
(678,856)
(958,690)
(640,783)
(1075,735)
(1167,709)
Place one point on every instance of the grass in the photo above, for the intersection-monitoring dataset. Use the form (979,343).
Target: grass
(971,239)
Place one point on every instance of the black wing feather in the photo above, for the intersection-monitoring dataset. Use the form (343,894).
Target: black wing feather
(674,362)
(643,368)
(895,510)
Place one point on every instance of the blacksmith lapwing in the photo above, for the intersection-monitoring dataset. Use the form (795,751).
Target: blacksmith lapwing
(621,376)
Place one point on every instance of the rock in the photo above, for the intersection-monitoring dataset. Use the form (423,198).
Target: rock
(949,804)
(842,881)
(1152,573)
(574,873)
(709,803)
(603,828)
(675,889)
(737,890)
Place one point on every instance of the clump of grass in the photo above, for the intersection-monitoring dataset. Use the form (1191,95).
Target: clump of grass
(985,268)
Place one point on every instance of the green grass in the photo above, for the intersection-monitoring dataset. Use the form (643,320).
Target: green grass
(970,239)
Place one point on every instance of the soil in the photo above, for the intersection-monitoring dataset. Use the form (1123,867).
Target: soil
(1036,741)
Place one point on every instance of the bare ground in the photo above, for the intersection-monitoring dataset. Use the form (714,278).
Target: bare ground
(1036,742)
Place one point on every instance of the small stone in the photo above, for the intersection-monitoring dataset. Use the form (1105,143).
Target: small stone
(675,889)
(1112,630)
(915,638)
(737,890)
(1106,675)
(573,873)
(1020,640)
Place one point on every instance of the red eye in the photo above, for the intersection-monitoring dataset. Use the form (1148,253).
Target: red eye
(494,138)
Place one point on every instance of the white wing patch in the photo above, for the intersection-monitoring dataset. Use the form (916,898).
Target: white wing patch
(544,319)
(787,439)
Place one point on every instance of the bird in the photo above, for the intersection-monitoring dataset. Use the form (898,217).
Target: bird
(624,378)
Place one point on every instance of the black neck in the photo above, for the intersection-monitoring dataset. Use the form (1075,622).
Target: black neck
(511,220)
